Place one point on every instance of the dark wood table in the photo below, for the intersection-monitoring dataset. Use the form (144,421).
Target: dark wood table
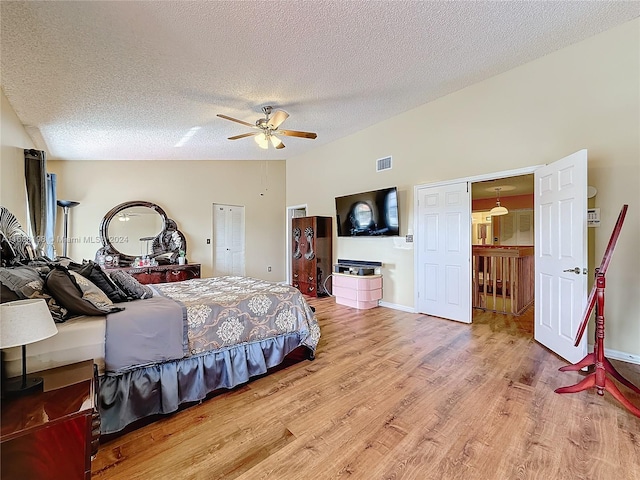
(52,434)
(162,273)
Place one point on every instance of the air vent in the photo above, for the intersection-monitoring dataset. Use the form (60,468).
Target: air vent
(383,164)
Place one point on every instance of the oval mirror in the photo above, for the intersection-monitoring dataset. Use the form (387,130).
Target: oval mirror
(139,228)
(132,230)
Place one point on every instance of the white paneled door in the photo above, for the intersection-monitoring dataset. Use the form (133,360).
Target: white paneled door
(560,202)
(228,240)
(444,251)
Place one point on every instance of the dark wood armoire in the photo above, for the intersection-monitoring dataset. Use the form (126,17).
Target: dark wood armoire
(311,258)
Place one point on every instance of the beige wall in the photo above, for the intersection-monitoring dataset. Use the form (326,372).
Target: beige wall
(13,140)
(584,96)
(186,191)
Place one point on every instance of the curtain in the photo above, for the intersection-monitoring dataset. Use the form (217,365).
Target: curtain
(51,211)
(41,203)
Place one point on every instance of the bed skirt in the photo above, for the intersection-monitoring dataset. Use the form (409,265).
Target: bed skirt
(127,396)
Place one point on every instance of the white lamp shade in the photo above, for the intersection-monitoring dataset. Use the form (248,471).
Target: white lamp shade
(25,321)
(498,210)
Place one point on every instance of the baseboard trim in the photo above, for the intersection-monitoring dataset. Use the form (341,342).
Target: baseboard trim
(395,306)
(617,355)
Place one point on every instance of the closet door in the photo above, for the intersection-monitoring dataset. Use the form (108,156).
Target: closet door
(444,251)
(228,240)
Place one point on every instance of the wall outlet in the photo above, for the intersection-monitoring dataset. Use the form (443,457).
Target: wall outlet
(408,238)
(268,269)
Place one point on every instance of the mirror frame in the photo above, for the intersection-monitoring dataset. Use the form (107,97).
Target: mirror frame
(160,243)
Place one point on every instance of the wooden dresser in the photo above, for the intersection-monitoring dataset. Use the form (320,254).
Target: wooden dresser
(311,256)
(162,273)
(52,434)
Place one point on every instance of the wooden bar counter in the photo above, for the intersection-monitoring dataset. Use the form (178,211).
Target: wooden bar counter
(503,275)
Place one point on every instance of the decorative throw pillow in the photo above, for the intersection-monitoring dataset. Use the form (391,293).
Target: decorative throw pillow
(95,274)
(91,292)
(18,239)
(7,253)
(26,282)
(23,280)
(130,285)
(64,288)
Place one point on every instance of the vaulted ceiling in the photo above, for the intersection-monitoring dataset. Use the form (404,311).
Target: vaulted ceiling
(130,80)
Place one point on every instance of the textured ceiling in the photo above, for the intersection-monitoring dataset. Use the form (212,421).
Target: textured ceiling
(127,80)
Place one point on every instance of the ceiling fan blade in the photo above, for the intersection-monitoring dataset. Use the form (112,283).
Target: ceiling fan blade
(278,117)
(244,135)
(294,133)
(236,120)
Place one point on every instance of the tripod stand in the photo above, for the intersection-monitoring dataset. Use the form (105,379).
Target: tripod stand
(602,364)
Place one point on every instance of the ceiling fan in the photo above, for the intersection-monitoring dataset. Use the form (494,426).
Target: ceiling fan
(268,128)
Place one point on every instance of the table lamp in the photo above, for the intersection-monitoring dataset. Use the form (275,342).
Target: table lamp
(23,322)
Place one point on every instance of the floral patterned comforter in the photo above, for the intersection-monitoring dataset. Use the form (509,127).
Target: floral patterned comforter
(229,310)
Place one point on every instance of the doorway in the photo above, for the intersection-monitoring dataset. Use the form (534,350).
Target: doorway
(502,213)
(560,259)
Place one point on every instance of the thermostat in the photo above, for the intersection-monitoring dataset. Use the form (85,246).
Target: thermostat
(593,217)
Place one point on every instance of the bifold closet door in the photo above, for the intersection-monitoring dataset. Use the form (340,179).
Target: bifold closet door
(228,240)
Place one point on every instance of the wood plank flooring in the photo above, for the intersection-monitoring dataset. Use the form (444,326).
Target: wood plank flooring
(395,395)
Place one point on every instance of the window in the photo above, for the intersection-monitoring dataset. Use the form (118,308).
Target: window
(391,209)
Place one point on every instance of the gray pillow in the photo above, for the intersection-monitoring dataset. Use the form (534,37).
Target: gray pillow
(130,285)
(91,292)
(26,282)
(64,288)
(92,271)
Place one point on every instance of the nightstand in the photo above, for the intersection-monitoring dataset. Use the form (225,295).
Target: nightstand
(54,433)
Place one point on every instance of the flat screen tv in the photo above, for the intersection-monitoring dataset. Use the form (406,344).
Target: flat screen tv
(370,214)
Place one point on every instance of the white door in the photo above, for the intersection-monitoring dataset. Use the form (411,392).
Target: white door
(228,240)
(444,251)
(560,202)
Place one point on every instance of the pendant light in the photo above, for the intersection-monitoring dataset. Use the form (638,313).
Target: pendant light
(498,209)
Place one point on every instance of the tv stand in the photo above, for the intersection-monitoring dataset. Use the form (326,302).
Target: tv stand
(357,291)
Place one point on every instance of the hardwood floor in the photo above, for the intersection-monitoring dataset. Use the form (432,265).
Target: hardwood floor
(395,395)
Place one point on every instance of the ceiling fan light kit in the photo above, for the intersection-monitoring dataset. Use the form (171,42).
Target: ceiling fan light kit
(269,129)
(262,141)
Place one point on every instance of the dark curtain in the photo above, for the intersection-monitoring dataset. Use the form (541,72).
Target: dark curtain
(51,211)
(35,170)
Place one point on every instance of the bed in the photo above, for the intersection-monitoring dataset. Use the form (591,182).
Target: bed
(187,340)
(224,331)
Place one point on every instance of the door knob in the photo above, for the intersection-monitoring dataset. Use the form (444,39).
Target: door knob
(573,270)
